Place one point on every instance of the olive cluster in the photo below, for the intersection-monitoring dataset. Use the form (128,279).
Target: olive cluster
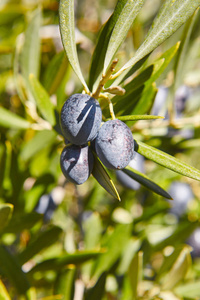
(81,119)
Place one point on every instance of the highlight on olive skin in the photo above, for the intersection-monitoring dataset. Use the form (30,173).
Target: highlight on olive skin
(76,163)
(115,144)
(80,119)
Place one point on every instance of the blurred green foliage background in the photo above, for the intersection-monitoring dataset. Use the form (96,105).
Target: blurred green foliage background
(61,241)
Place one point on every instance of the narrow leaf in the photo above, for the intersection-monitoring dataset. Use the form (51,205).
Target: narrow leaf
(44,104)
(3,292)
(31,50)
(172,15)
(98,290)
(169,261)
(168,161)
(10,267)
(30,56)
(183,50)
(67,28)
(138,117)
(10,120)
(178,270)
(5,214)
(55,72)
(126,104)
(40,140)
(42,241)
(121,27)
(21,222)
(67,259)
(135,273)
(65,283)
(120,236)
(190,290)
(101,175)
(144,180)
(99,53)
(146,101)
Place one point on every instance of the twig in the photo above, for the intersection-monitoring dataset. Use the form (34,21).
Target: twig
(104,79)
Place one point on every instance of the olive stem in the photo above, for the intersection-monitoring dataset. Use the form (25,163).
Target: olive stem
(104,79)
(110,105)
(111,110)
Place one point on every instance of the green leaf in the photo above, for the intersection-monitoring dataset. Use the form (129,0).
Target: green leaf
(21,222)
(10,267)
(179,269)
(135,273)
(167,56)
(171,16)
(3,292)
(190,290)
(30,56)
(123,23)
(6,211)
(99,53)
(179,65)
(120,236)
(40,242)
(31,50)
(144,180)
(10,120)
(98,290)
(168,161)
(101,175)
(122,77)
(65,283)
(169,261)
(125,105)
(67,28)
(44,104)
(128,254)
(58,263)
(137,117)
(146,101)
(40,140)
(55,72)
(182,232)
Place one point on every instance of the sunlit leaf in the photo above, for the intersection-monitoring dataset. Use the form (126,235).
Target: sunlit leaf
(135,273)
(67,28)
(144,180)
(146,101)
(172,15)
(121,27)
(120,236)
(40,242)
(10,120)
(58,263)
(21,222)
(3,292)
(97,291)
(99,53)
(30,56)
(101,175)
(65,283)
(40,140)
(190,290)
(137,117)
(55,72)
(5,214)
(178,270)
(183,50)
(44,104)
(12,270)
(168,161)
